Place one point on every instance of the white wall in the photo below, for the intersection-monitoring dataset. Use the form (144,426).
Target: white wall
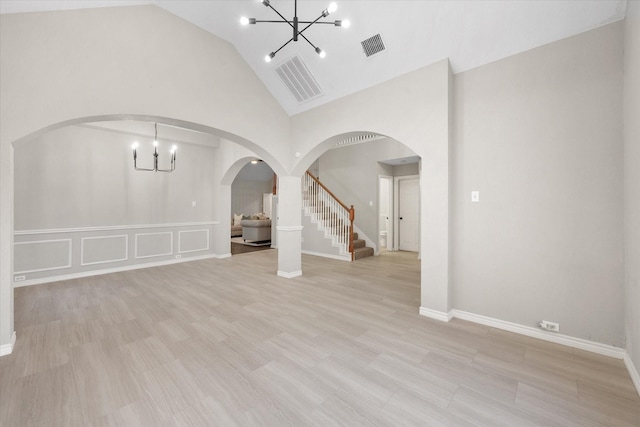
(632,181)
(539,134)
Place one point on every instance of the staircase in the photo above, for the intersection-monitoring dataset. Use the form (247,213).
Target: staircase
(333,217)
(360,248)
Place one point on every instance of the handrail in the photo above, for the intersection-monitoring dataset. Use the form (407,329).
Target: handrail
(328,191)
(350,210)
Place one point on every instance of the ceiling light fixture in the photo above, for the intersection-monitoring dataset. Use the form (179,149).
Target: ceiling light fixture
(155,156)
(294,24)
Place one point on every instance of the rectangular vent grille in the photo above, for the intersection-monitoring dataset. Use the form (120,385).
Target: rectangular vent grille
(298,79)
(373,45)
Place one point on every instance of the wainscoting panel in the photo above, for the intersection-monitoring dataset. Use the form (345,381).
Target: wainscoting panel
(193,241)
(104,249)
(150,245)
(43,255)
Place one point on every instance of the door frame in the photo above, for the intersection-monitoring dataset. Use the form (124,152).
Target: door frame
(390,208)
(396,209)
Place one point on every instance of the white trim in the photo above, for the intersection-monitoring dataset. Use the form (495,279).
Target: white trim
(633,371)
(332,256)
(592,346)
(110,270)
(111,227)
(291,228)
(135,251)
(180,251)
(437,315)
(223,256)
(126,249)
(7,349)
(49,268)
(291,275)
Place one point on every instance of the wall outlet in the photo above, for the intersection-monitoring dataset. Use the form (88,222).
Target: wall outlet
(178,256)
(549,326)
(19,278)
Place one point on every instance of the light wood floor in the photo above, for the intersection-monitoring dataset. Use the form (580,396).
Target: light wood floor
(227,342)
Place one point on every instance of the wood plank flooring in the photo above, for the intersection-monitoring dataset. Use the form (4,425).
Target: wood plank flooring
(227,342)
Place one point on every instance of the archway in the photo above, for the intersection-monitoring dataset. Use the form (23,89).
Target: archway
(349,165)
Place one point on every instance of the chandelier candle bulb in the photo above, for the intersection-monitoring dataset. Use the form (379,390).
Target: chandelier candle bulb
(173,150)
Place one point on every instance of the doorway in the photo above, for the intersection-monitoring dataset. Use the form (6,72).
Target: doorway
(385,212)
(408,217)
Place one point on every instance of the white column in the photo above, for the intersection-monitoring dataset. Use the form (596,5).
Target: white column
(221,238)
(289,226)
(7,334)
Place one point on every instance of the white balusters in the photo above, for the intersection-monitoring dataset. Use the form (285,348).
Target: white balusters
(326,210)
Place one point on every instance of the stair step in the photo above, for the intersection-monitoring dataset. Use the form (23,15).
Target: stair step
(359,243)
(355,236)
(363,252)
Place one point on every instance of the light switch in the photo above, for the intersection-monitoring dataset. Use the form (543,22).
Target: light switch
(475,196)
(370,202)
(193,203)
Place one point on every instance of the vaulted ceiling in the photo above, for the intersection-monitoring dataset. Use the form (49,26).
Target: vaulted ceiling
(415,34)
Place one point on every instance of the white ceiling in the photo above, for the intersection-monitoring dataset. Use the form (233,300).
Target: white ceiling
(416,33)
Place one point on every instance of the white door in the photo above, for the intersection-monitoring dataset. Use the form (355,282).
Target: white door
(409,214)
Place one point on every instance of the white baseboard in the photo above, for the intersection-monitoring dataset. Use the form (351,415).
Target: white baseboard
(582,344)
(7,349)
(633,371)
(291,275)
(437,315)
(52,279)
(223,256)
(332,256)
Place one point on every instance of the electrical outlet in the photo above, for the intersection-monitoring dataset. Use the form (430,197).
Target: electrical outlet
(178,256)
(549,326)
(19,278)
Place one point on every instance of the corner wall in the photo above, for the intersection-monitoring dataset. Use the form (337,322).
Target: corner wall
(632,184)
(539,135)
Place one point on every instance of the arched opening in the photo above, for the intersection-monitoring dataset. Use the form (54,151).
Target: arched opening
(80,207)
(353,167)
(253,204)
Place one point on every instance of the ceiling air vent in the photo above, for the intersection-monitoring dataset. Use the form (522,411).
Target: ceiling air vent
(296,76)
(372,45)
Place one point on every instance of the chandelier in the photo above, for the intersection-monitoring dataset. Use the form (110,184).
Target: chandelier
(295,25)
(155,156)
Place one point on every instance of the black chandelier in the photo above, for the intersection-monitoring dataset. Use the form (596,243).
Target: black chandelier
(295,25)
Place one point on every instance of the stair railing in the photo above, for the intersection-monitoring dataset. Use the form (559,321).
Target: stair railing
(335,215)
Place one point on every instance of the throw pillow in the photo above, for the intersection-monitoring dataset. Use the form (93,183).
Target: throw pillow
(237,219)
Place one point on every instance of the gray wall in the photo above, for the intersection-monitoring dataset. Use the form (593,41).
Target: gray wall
(539,134)
(351,173)
(632,179)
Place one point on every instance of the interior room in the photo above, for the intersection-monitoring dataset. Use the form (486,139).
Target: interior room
(502,135)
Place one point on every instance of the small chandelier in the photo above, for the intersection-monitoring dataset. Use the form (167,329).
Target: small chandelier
(155,156)
(294,24)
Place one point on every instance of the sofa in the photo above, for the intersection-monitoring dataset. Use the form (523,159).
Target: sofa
(236,228)
(256,230)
